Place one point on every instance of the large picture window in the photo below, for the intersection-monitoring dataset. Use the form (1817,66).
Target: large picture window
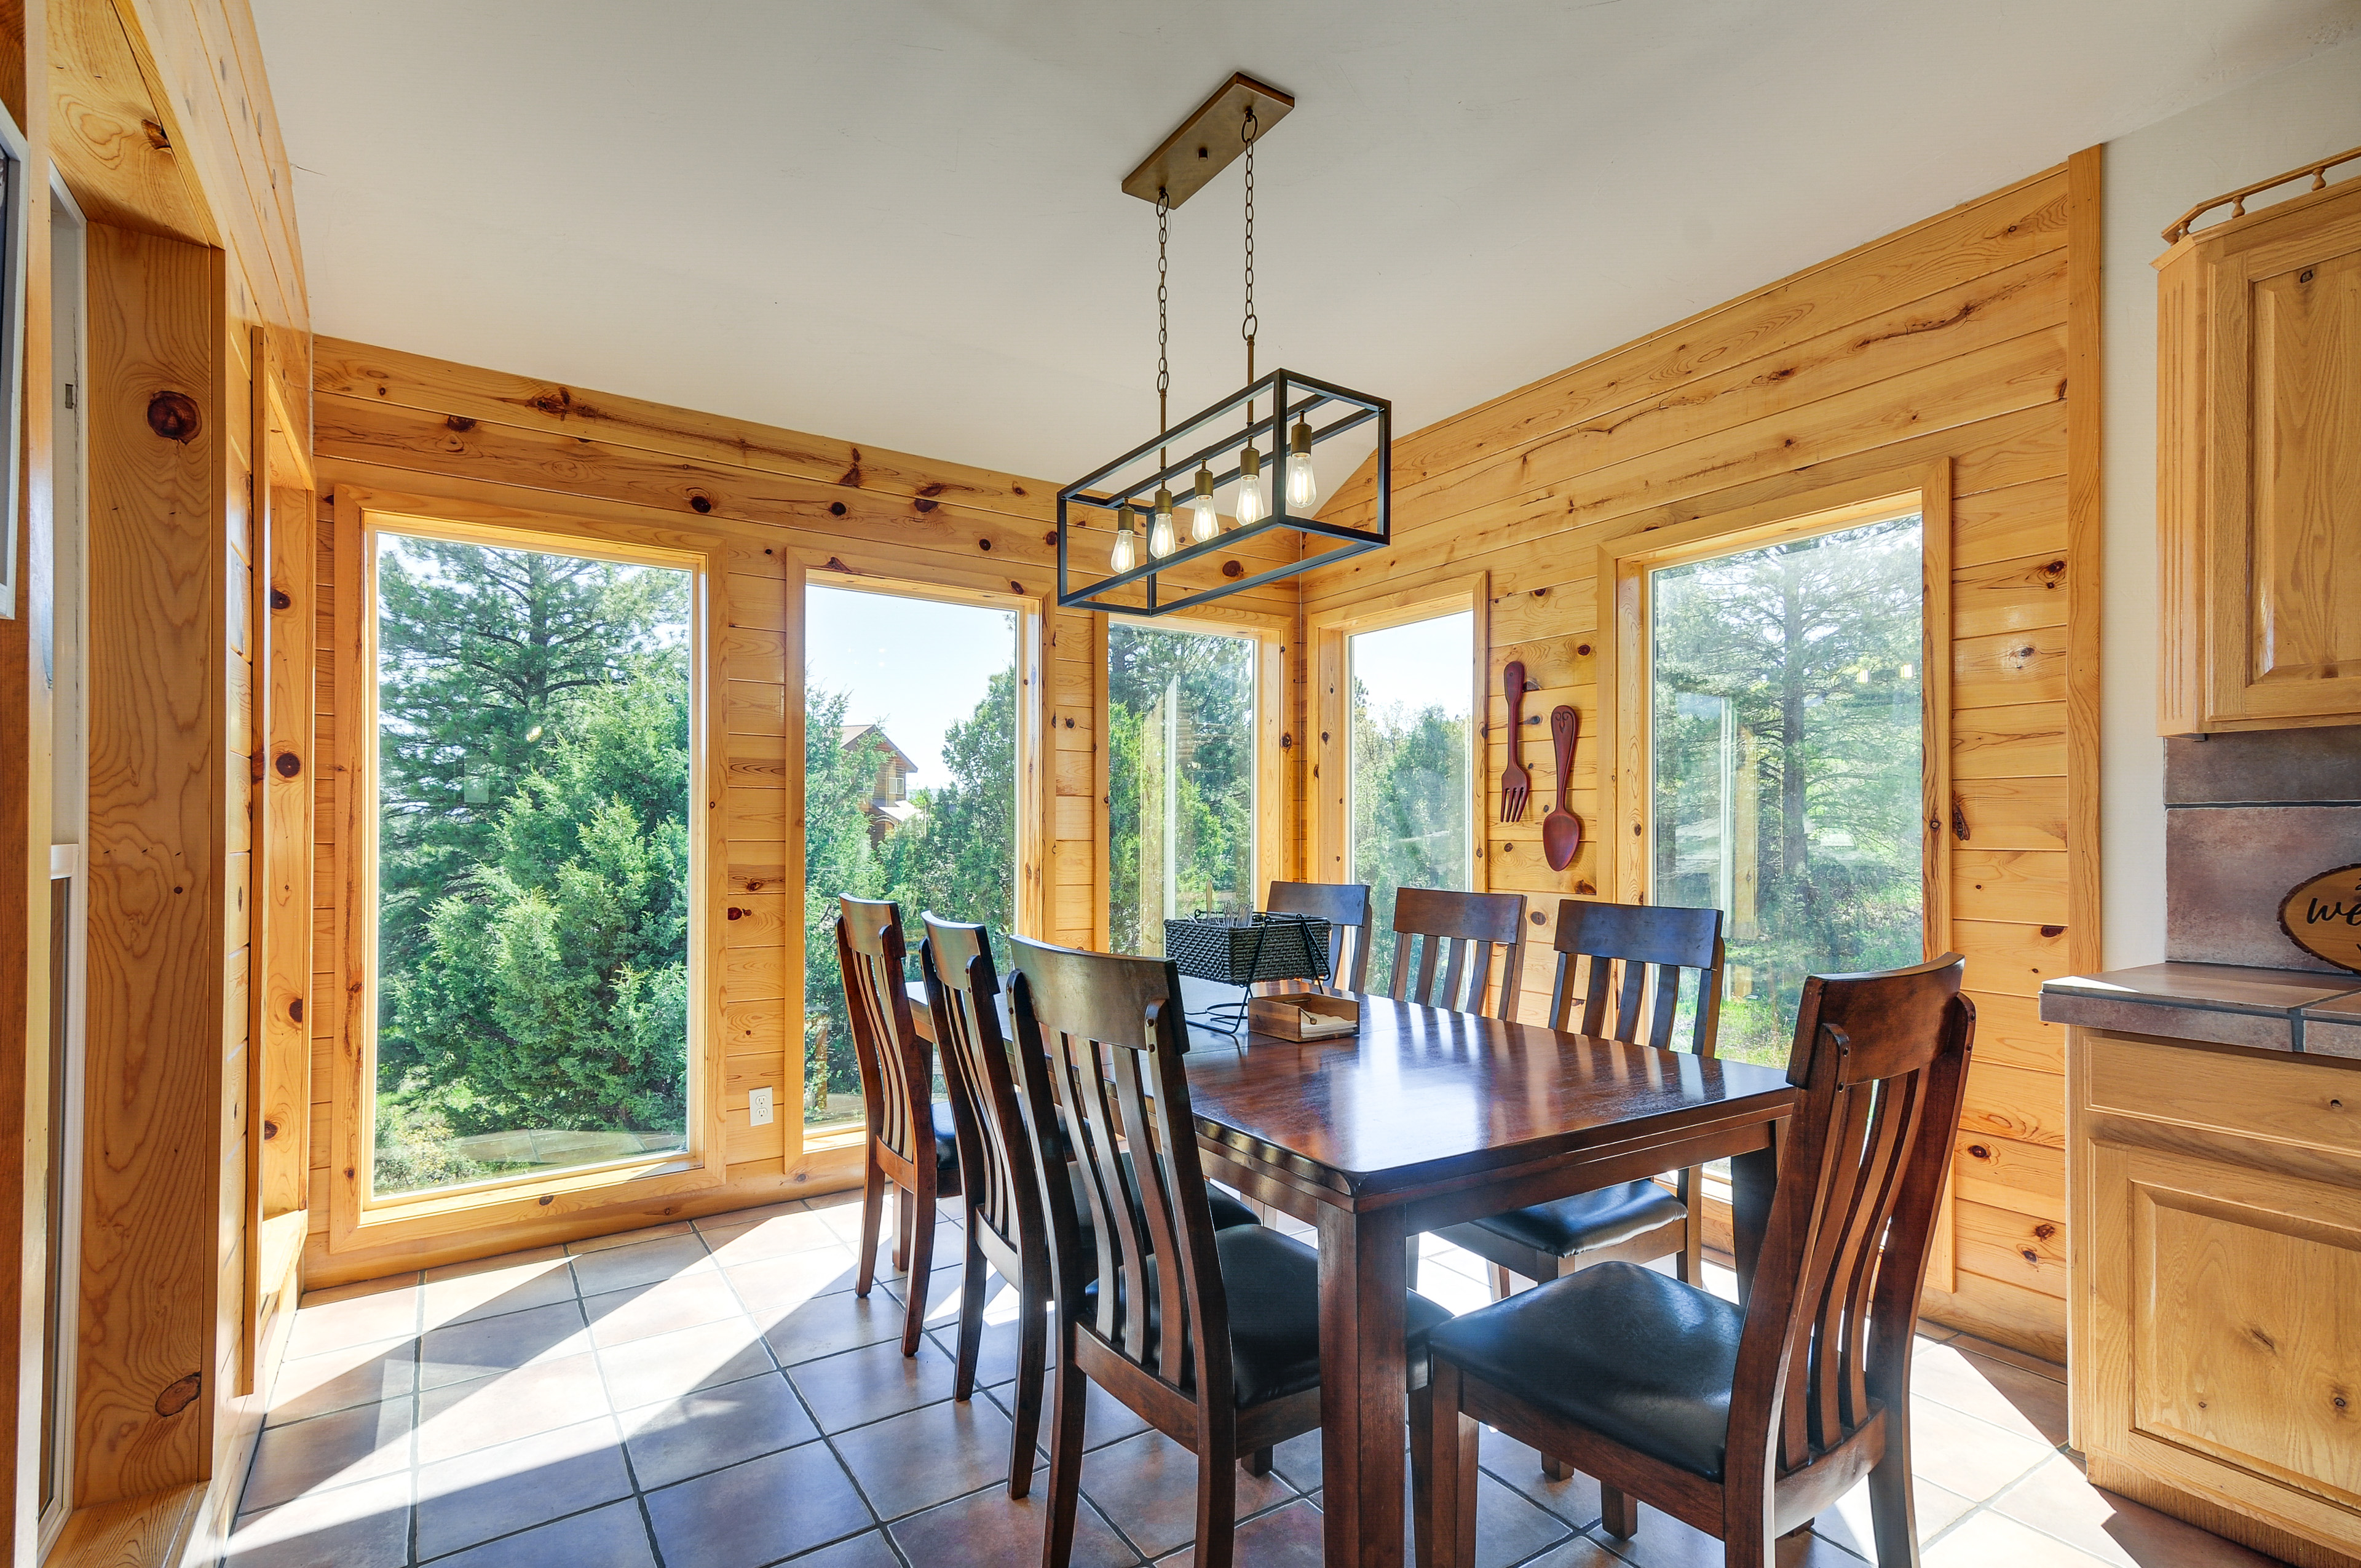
(533,860)
(911,714)
(1411,808)
(1181,779)
(1785,700)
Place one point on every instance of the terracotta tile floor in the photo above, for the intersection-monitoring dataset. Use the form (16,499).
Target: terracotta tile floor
(713,1396)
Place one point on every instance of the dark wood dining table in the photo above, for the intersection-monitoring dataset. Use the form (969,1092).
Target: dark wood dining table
(1426,1118)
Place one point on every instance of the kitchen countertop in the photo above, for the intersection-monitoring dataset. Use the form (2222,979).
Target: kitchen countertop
(2279,1010)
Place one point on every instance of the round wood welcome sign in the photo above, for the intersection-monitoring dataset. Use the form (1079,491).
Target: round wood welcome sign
(2323,916)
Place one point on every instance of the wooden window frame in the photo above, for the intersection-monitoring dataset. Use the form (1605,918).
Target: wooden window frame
(1329,830)
(357,1220)
(1270,635)
(820,567)
(1624,563)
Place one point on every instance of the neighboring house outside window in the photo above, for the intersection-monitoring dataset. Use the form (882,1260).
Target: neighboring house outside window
(889,796)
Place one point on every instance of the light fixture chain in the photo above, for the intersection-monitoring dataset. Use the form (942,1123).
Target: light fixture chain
(1248,326)
(1163,301)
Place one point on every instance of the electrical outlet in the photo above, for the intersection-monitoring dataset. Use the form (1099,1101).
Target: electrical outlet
(758,1108)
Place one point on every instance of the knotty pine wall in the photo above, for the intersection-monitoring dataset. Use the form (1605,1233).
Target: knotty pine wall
(1970,337)
(392,422)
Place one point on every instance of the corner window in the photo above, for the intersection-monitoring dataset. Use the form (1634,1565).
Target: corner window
(532,863)
(1786,748)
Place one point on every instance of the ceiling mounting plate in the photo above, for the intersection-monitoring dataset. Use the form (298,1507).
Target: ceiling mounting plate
(1207,140)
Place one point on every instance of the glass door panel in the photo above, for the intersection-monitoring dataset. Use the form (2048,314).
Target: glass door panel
(1787,742)
(1180,780)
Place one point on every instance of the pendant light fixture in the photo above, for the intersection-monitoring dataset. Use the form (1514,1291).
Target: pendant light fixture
(1270,486)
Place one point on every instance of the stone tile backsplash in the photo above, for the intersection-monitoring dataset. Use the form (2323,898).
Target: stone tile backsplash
(2248,817)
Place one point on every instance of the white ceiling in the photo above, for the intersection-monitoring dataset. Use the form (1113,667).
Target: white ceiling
(897,221)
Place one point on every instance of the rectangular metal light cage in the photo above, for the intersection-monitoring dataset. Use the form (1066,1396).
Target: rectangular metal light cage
(1086,509)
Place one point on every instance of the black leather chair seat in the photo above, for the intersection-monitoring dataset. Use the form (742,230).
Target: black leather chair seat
(1636,1356)
(1584,1223)
(1273,1285)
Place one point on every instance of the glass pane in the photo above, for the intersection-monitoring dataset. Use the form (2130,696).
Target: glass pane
(1786,743)
(1180,798)
(909,791)
(533,861)
(1413,741)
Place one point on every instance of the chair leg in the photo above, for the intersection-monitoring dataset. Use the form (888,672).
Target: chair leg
(1032,1351)
(1553,1467)
(1410,1261)
(1691,1265)
(904,1203)
(1499,1282)
(1618,1512)
(1217,1504)
(873,1215)
(971,1321)
(922,1246)
(1442,1454)
(1893,1508)
(1065,1456)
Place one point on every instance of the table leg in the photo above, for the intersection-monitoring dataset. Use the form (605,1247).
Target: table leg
(1754,1180)
(1361,1387)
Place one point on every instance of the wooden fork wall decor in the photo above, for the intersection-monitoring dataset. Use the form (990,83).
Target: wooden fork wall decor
(1516,783)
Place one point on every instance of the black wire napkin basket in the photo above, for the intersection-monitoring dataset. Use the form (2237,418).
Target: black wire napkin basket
(1243,949)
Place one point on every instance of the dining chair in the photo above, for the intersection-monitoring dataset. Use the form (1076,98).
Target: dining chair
(1211,1337)
(912,1141)
(1000,1171)
(1745,1423)
(1345,907)
(1633,959)
(1468,925)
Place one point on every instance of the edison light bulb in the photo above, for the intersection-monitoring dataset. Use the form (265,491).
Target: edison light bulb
(1127,544)
(1253,507)
(1203,521)
(1159,531)
(1302,489)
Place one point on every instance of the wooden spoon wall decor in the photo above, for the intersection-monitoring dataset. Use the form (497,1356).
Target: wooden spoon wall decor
(1562,829)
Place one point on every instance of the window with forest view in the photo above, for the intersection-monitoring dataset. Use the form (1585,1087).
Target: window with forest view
(1181,779)
(1787,742)
(910,711)
(533,861)
(1411,811)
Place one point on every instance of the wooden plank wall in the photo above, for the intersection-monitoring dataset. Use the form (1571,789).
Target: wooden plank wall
(1970,337)
(402,422)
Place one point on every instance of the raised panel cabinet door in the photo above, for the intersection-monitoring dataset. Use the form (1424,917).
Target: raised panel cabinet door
(2259,482)
(2236,1292)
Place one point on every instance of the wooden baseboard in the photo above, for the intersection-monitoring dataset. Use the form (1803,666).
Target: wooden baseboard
(151,1530)
(2205,1513)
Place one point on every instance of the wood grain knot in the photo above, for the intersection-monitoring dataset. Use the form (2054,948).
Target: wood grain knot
(1978,1151)
(700,504)
(1050,539)
(984,544)
(1583,649)
(177,1397)
(156,137)
(736,912)
(459,422)
(1287,743)
(295,1010)
(279,599)
(924,505)
(270,1131)
(1233,569)
(288,765)
(2053,930)
(2044,1231)
(1584,887)
(1015,587)
(836,509)
(1536,916)
(753,887)
(173,416)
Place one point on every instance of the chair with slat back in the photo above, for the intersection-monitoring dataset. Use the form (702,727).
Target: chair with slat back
(1619,976)
(1211,1336)
(1744,1422)
(1470,925)
(911,1142)
(1345,907)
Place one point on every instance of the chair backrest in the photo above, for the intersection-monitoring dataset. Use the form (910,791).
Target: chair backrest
(896,1079)
(1883,1062)
(996,1153)
(1345,907)
(1651,945)
(1470,925)
(1109,1032)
